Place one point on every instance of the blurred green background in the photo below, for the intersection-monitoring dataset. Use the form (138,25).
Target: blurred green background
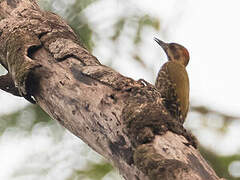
(119,33)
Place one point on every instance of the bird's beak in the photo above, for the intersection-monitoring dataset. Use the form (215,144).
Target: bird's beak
(162,44)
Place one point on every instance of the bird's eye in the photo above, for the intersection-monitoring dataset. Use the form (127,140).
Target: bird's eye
(174,51)
(173,47)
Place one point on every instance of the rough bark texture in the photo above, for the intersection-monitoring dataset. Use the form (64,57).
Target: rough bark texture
(122,119)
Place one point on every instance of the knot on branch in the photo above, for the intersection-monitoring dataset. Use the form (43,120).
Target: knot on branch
(21,46)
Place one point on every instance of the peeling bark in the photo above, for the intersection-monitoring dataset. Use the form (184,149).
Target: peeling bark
(122,119)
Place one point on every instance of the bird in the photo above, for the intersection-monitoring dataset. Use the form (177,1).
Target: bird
(172,80)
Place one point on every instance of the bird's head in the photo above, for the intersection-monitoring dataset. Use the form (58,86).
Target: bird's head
(175,52)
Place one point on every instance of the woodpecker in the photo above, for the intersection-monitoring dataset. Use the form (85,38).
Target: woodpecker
(172,80)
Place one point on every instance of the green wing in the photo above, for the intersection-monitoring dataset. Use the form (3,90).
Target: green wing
(173,84)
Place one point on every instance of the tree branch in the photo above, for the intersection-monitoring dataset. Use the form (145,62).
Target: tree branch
(122,119)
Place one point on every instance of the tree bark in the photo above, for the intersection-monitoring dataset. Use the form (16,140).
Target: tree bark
(122,119)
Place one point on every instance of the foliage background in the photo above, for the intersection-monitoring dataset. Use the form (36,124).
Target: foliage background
(119,33)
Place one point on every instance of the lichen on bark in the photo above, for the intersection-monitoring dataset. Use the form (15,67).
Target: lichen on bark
(156,166)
